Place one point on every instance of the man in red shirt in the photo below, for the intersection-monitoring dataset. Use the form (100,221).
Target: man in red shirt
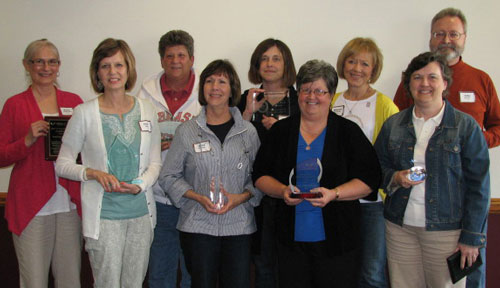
(471,91)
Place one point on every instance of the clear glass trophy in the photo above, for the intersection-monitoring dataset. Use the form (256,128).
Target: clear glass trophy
(417,172)
(273,106)
(119,158)
(216,197)
(308,175)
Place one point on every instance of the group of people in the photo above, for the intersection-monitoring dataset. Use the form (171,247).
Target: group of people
(313,186)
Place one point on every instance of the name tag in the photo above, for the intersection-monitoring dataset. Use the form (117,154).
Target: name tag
(145,126)
(339,110)
(67,111)
(202,147)
(467,97)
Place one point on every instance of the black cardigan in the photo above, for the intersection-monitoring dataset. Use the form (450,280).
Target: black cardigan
(347,154)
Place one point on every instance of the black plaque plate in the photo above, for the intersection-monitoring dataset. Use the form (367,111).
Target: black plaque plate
(53,140)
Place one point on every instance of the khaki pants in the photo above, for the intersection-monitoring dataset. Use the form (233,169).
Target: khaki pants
(417,258)
(50,240)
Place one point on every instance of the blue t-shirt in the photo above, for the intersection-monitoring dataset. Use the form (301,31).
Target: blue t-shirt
(309,225)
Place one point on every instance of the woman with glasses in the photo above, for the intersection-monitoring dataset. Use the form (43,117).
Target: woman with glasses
(207,175)
(271,65)
(435,167)
(320,164)
(41,208)
(360,63)
(119,141)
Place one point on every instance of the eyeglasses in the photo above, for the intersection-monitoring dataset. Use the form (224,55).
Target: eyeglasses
(42,62)
(453,35)
(316,92)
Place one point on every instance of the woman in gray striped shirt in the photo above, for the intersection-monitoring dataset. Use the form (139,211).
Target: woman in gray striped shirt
(207,175)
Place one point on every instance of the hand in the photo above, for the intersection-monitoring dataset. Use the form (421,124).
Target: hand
(287,191)
(165,145)
(207,204)
(401,178)
(129,188)
(37,129)
(328,195)
(233,200)
(469,254)
(268,121)
(252,104)
(107,181)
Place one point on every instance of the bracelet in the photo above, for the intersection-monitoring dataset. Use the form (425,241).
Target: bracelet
(337,194)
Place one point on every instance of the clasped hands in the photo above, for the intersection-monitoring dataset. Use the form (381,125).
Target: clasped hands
(110,183)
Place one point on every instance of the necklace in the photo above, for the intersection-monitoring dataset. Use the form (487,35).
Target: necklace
(353,117)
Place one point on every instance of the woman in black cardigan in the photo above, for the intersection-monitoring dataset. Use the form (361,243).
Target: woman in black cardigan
(349,171)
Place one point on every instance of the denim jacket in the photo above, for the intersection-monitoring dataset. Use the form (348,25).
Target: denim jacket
(457,187)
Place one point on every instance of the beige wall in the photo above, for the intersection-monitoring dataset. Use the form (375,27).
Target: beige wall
(232,29)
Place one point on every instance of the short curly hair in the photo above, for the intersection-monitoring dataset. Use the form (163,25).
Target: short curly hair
(423,60)
(174,38)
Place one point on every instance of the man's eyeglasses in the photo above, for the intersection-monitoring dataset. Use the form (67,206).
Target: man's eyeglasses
(42,62)
(453,35)
(316,92)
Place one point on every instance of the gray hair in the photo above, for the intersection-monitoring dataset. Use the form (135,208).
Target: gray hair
(36,45)
(450,12)
(174,38)
(313,70)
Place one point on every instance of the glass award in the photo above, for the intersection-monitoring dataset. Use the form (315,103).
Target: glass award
(216,197)
(277,104)
(119,158)
(308,175)
(417,172)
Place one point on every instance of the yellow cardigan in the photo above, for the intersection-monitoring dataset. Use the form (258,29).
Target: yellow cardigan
(384,108)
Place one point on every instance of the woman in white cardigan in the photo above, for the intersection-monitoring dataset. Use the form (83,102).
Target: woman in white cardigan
(119,141)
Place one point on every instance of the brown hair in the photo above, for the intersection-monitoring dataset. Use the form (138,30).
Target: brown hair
(107,48)
(225,68)
(289,71)
(423,60)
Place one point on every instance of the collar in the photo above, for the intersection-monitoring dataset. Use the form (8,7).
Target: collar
(436,119)
(166,90)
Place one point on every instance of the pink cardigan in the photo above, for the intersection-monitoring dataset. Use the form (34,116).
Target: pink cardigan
(32,179)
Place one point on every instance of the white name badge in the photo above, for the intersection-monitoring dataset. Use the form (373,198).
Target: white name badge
(467,97)
(202,147)
(145,125)
(67,111)
(339,110)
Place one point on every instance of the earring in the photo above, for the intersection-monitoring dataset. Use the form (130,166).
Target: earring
(99,85)
(58,73)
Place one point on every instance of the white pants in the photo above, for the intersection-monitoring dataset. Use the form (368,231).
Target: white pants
(417,258)
(53,240)
(119,258)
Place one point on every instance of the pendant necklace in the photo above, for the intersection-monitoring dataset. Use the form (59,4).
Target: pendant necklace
(354,118)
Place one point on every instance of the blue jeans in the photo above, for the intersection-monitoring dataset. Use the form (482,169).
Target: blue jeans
(477,279)
(166,251)
(222,259)
(373,252)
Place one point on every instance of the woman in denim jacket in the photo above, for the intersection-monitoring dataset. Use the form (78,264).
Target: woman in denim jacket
(429,219)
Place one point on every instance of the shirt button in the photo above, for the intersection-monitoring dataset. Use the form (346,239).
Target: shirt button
(431,201)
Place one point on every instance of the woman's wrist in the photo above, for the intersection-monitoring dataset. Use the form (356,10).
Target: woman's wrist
(247,115)
(336,193)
